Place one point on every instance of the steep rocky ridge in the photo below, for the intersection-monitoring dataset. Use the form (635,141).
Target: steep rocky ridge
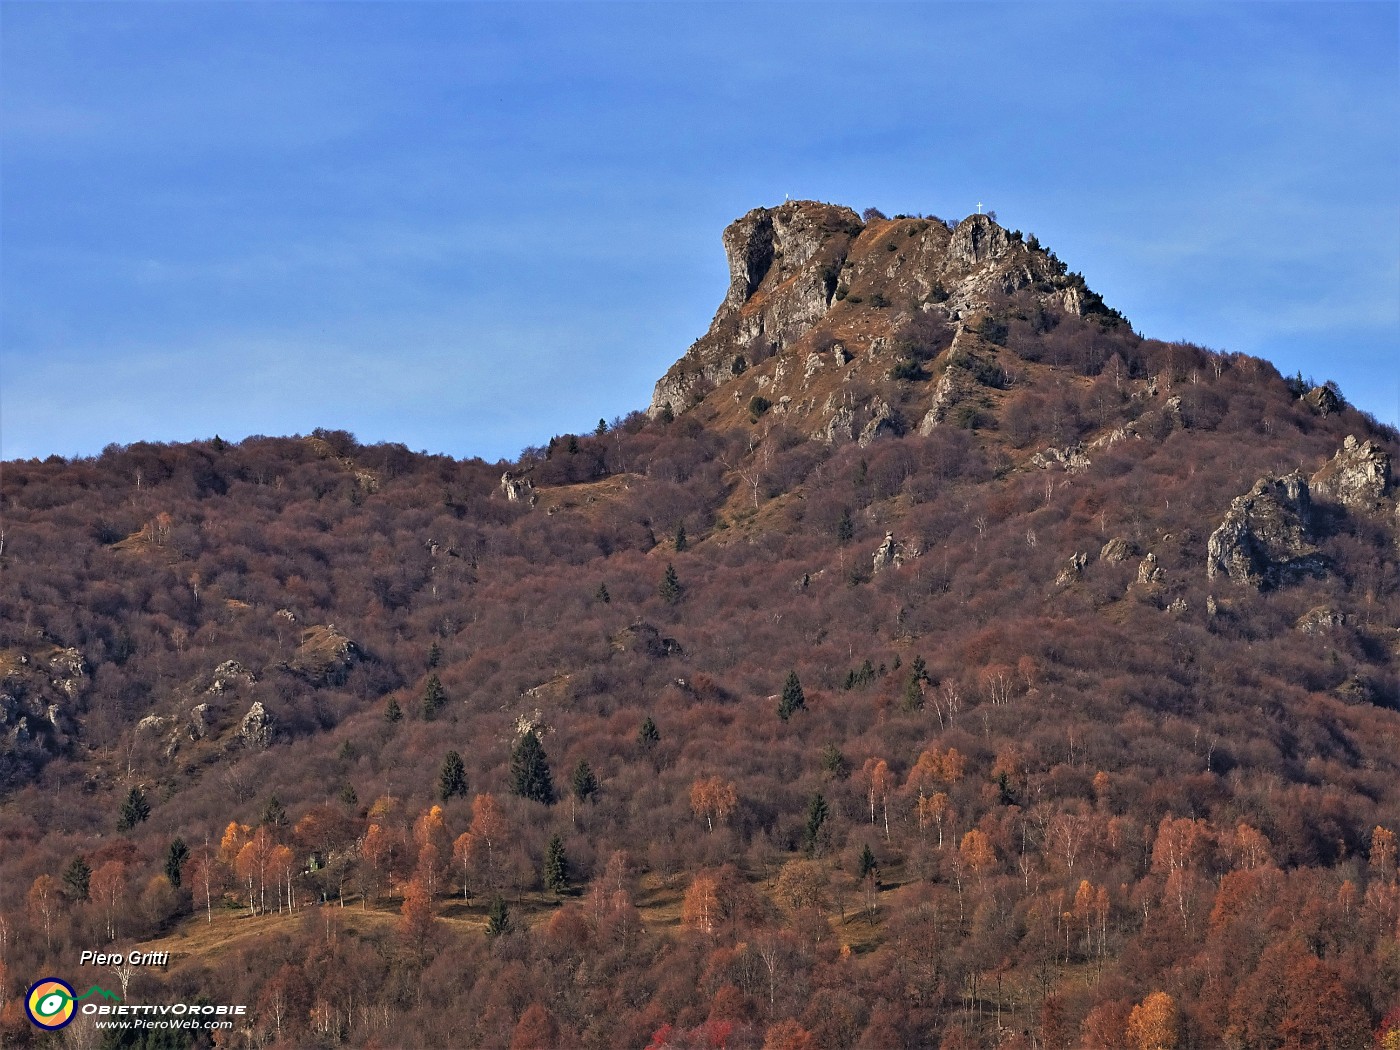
(817,301)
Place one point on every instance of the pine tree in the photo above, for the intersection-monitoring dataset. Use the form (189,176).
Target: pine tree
(274,814)
(670,588)
(583,783)
(392,711)
(680,537)
(433,696)
(452,780)
(601,428)
(845,528)
(648,736)
(349,797)
(175,858)
(529,770)
(78,877)
(793,699)
(556,867)
(602,595)
(817,812)
(866,865)
(134,811)
(497,918)
(913,694)
(834,763)
(434,655)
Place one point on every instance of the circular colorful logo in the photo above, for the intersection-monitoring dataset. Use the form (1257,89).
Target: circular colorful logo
(50,1003)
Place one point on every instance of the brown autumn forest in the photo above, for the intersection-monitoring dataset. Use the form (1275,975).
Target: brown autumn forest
(724,732)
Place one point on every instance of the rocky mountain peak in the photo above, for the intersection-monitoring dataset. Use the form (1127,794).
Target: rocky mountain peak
(819,299)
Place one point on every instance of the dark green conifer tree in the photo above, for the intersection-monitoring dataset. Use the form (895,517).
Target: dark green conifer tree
(498,917)
(680,537)
(866,864)
(452,779)
(134,810)
(175,858)
(434,655)
(392,711)
(274,814)
(602,595)
(529,770)
(648,736)
(556,867)
(583,783)
(433,696)
(793,698)
(845,528)
(817,812)
(78,877)
(670,587)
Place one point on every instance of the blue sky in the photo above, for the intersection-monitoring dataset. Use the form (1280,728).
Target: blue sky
(468,227)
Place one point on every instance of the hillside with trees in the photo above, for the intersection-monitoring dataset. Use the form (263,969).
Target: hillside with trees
(937,662)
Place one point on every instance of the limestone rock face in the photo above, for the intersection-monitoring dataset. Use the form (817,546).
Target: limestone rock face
(1071,459)
(818,300)
(892,553)
(644,638)
(1265,537)
(198,726)
(325,655)
(229,675)
(783,268)
(1357,476)
(1319,619)
(1323,400)
(256,728)
(1149,571)
(1118,549)
(516,489)
(1074,568)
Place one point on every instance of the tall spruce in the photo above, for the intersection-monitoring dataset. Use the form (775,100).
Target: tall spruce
(392,711)
(556,867)
(583,783)
(134,810)
(78,877)
(529,770)
(175,858)
(817,812)
(793,698)
(497,917)
(452,779)
(670,588)
(434,696)
(648,735)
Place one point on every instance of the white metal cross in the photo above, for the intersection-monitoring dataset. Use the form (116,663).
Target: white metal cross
(979,207)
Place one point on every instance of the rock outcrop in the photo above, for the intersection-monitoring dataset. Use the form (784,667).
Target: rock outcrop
(892,554)
(817,304)
(1265,538)
(1321,618)
(230,675)
(642,637)
(1071,459)
(518,490)
(1074,568)
(1358,476)
(255,730)
(325,655)
(1117,549)
(1323,400)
